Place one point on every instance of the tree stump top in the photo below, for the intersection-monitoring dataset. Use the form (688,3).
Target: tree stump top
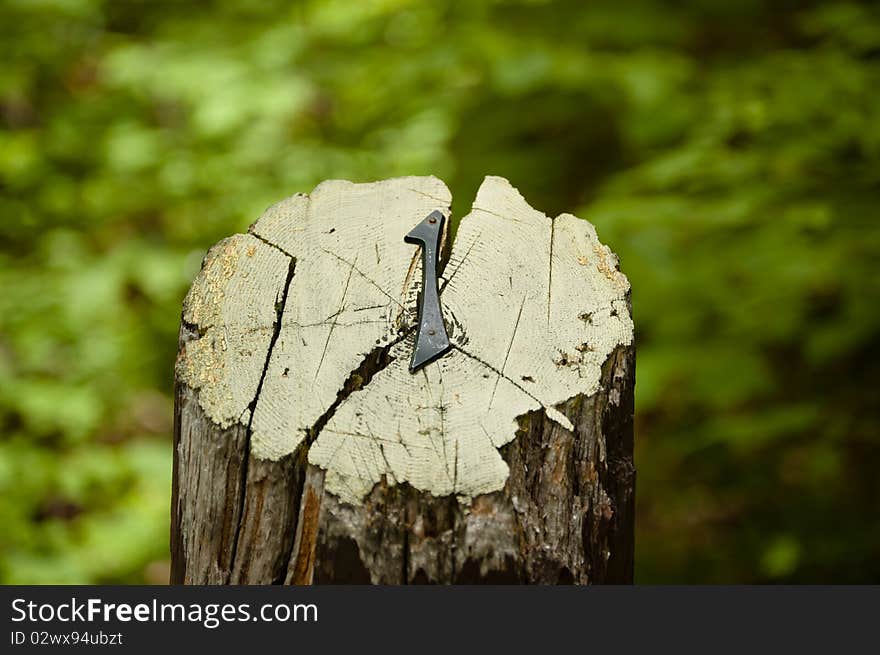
(302,330)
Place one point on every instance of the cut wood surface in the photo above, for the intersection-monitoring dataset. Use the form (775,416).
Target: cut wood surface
(305,450)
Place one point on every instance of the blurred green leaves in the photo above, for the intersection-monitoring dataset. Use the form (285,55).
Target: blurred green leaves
(727,151)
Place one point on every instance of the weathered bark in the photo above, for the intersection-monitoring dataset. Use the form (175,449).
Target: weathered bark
(284,510)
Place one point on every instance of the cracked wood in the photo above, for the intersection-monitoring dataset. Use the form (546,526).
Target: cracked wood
(299,424)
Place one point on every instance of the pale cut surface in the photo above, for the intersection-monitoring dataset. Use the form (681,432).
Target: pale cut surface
(537,307)
(534,306)
(232,305)
(354,288)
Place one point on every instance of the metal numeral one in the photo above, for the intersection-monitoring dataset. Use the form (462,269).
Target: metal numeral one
(431,338)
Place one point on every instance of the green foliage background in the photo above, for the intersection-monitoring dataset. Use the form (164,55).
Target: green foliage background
(728,151)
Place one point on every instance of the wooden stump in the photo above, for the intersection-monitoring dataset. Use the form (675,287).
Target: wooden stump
(306,452)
